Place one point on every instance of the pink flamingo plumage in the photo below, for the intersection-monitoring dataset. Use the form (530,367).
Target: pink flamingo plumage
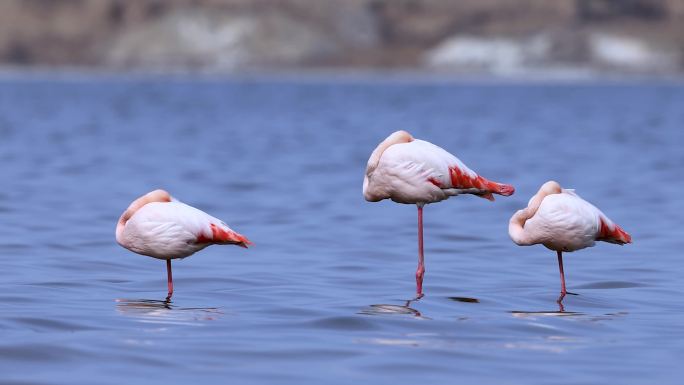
(159,226)
(413,171)
(562,221)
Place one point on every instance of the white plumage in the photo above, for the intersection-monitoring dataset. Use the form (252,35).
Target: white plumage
(169,230)
(565,222)
(413,171)
(161,227)
(562,221)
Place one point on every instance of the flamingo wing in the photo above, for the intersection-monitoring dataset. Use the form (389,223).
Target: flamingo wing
(205,228)
(568,222)
(610,232)
(563,222)
(175,230)
(419,162)
(221,234)
(406,173)
(157,231)
(607,230)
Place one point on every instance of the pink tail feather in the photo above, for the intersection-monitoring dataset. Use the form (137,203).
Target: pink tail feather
(227,236)
(460,179)
(504,189)
(614,234)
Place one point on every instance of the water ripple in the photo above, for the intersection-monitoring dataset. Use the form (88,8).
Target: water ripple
(319,299)
(164,312)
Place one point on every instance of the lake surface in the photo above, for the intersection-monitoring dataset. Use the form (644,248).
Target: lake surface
(322,297)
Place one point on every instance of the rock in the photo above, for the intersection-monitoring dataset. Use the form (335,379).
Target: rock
(219,42)
(487,36)
(632,54)
(499,55)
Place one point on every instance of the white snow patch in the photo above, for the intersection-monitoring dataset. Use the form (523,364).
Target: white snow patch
(499,55)
(628,52)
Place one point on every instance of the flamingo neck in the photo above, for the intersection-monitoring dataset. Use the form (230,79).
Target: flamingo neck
(153,196)
(516,226)
(394,138)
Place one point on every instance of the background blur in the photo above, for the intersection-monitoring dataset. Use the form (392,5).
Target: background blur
(504,37)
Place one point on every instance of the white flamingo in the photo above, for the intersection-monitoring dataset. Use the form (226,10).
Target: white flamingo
(159,226)
(413,171)
(562,221)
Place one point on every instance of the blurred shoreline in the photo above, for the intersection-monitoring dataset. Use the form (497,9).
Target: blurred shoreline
(523,39)
(324,75)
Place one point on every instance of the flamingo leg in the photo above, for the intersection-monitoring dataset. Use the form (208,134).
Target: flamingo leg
(420,272)
(562,276)
(169,278)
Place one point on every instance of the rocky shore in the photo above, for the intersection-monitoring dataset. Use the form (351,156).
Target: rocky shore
(505,37)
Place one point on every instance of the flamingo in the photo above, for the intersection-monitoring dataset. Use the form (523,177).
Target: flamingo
(159,226)
(413,171)
(562,221)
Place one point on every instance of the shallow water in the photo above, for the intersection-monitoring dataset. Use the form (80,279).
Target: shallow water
(323,296)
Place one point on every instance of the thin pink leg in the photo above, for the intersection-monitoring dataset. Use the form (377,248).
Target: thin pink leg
(169,278)
(562,276)
(420,272)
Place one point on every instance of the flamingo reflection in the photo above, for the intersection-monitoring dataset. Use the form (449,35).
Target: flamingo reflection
(155,311)
(384,309)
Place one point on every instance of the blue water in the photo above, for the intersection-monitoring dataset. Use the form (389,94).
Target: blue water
(322,296)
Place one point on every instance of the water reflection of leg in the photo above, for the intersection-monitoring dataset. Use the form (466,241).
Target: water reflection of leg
(384,309)
(136,305)
(408,301)
(561,311)
(156,311)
